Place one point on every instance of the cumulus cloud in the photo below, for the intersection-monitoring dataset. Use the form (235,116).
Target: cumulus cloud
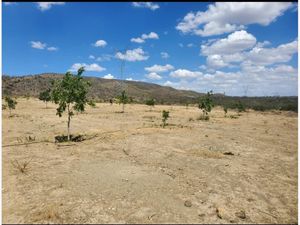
(149,5)
(91,57)
(225,17)
(88,67)
(268,56)
(100,43)
(38,45)
(164,55)
(140,40)
(185,74)
(108,76)
(153,76)
(159,69)
(235,42)
(43,6)
(137,40)
(137,54)
(9,3)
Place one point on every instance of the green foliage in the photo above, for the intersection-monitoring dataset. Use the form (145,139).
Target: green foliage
(123,99)
(45,96)
(11,104)
(91,103)
(206,104)
(165,116)
(240,107)
(150,102)
(70,94)
(225,108)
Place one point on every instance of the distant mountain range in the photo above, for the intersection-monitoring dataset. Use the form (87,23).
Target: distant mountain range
(101,89)
(105,89)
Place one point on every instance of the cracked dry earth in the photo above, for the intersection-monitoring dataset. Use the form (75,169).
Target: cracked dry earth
(130,170)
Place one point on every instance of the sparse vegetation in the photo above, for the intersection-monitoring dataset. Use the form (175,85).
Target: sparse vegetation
(45,96)
(92,103)
(70,94)
(23,167)
(123,99)
(150,103)
(165,116)
(206,104)
(11,104)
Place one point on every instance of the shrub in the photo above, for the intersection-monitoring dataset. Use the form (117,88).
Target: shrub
(165,116)
(151,103)
(91,103)
(70,94)
(10,103)
(225,111)
(123,99)
(206,104)
(240,107)
(45,96)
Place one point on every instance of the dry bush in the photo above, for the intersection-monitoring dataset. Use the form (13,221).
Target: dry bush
(23,167)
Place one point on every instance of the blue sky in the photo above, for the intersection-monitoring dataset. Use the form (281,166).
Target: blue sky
(240,48)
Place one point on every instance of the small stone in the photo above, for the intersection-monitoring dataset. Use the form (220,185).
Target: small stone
(219,212)
(188,203)
(206,135)
(201,215)
(241,214)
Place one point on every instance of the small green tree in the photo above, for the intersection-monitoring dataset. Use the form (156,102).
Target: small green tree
(165,116)
(123,99)
(150,103)
(11,104)
(45,96)
(225,108)
(70,94)
(240,107)
(206,104)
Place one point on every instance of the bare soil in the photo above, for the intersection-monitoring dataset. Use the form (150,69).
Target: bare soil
(128,169)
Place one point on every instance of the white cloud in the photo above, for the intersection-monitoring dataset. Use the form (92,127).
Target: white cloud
(180,45)
(100,43)
(153,76)
(52,49)
(183,73)
(164,55)
(235,42)
(129,79)
(137,54)
(108,76)
(140,40)
(104,57)
(151,35)
(88,67)
(268,56)
(149,5)
(159,69)
(224,17)
(47,5)
(38,45)
(137,40)
(91,57)
(170,84)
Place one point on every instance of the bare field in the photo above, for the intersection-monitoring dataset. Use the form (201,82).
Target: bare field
(130,170)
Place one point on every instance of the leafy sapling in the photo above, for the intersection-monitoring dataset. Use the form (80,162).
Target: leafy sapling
(70,94)
(11,104)
(206,105)
(165,116)
(45,96)
(123,99)
(225,108)
(150,103)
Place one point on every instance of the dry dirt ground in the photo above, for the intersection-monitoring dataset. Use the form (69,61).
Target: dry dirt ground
(130,170)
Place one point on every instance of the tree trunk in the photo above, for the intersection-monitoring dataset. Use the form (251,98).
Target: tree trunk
(123,106)
(69,120)
(46,104)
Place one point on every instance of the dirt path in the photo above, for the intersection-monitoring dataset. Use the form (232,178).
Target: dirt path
(133,171)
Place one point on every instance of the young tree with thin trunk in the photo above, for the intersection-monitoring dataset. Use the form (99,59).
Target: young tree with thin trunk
(123,99)
(206,104)
(10,103)
(150,103)
(45,96)
(70,94)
